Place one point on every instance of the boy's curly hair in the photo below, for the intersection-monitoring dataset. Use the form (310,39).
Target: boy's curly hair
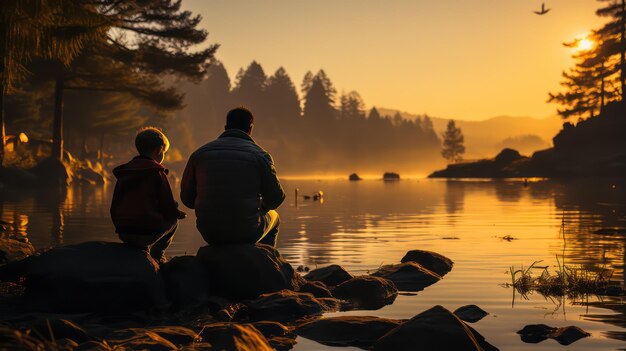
(149,139)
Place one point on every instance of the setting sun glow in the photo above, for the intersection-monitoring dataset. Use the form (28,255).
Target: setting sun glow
(584,44)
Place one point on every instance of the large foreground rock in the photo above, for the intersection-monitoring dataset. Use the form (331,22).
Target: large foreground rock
(434,262)
(362,331)
(434,329)
(408,276)
(186,281)
(153,338)
(92,276)
(286,305)
(241,272)
(12,250)
(367,292)
(330,275)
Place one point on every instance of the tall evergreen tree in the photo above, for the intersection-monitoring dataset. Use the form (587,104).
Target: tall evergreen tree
(282,98)
(145,40)
(319,99)
(613,36)
(589,86)
(31,29)
(453,143)
(250,87)
(351,106)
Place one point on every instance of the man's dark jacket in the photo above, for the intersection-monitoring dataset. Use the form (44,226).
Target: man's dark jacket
(231,183)
(142,200)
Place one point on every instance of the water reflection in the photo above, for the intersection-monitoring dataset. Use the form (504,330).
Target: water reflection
(364,224)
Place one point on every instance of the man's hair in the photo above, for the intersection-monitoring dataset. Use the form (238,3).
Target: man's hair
(239,118)
(149,139)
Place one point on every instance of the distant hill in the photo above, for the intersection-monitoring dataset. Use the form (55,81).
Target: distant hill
(486,138)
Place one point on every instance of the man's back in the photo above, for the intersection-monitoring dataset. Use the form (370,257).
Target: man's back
(231,183)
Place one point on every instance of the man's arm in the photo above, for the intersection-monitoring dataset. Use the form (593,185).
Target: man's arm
(188,184)
(271,190)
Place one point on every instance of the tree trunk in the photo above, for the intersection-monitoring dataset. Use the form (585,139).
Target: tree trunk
(602,89)
(57,124)
(101,151)
(3,133)
(623,51)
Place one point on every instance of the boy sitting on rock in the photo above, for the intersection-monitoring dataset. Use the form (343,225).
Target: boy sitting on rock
(143,209)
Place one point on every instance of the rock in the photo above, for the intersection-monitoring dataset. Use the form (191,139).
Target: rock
(12,250)
(408,276)
(354,177)
(158,337)
(433,329)
(568,335)
(92,276)
(143,341)
(276,334)
(432,261)
(271,328)
(535,333)
(286,305)
(318,289)
(331,275)
(52,172)
(92,345)
(242,272)
(16,176)
(470,313)
(55,329)
(235,337)
(89,175)
(361,331)
(11,339)
(185,281)
(367,292)
(390,176)
(508,155)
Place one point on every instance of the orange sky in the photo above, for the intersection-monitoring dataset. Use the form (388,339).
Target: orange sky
(456,59)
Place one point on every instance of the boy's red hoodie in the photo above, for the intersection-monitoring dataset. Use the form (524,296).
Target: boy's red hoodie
(142,200)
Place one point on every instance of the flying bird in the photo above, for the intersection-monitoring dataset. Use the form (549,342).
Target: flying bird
(543,11)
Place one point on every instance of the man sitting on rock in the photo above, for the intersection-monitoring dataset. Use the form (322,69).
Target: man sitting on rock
(143,209)
(231,183)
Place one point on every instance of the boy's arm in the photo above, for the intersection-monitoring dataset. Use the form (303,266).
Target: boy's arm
(169,206)
(188,185)
(271,190)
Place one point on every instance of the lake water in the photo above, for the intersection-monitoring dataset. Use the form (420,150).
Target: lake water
(361,225)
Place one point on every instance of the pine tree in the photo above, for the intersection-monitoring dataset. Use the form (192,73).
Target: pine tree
(589,86)
(613,36)
(31,29)
(319,98)
(282,98)
(453,148)
(145,40)
(351,106)
(599,75)
(250,88)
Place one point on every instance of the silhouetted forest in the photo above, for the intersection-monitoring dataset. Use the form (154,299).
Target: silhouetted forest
(321,131)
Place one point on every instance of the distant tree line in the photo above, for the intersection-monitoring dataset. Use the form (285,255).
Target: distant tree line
(320,130)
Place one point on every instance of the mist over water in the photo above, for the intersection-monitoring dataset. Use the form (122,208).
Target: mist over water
(361,225)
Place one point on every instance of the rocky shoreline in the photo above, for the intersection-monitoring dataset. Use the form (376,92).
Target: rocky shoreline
(105,296)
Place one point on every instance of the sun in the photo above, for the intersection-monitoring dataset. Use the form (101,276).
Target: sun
(584,44)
